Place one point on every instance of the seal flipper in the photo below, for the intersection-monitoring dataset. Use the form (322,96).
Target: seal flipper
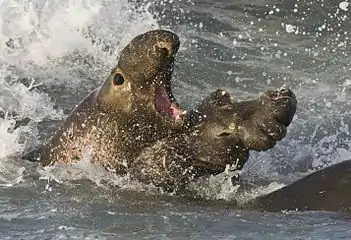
(324,190)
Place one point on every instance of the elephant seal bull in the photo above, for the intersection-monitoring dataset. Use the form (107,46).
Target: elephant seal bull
(133,124)
(133,108)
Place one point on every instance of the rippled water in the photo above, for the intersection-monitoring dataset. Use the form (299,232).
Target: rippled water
(244,47)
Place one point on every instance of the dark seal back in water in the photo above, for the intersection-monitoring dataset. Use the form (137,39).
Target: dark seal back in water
(328,189)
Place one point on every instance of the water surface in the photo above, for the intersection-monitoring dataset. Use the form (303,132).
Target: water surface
(243,47)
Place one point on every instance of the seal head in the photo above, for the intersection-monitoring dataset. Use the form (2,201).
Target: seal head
(222,131)
(142,78)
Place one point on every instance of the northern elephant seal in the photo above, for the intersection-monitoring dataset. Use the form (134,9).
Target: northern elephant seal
(132,123)
(133,108)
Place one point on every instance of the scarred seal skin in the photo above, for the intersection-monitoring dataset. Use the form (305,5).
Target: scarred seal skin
(226,130)
(133,124)
(217,135)
(132,109)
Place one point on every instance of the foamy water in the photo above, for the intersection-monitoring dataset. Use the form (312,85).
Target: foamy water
(52,38)
(52,64)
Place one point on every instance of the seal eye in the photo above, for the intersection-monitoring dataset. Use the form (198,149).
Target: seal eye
(118,79)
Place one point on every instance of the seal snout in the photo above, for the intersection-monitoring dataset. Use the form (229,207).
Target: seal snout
(148,63)
(283,93)
(164,48)
(167,46)
(166,42)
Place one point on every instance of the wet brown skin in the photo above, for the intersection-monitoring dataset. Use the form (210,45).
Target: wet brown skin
(224,131)
(129,127)
(328,189)
(217,133)
(114,123)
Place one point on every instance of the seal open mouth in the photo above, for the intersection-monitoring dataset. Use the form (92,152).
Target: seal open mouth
(165,104)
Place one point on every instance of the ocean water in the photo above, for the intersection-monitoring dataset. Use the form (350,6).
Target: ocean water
(247,48)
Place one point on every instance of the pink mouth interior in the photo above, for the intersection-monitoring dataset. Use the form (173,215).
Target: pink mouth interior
(164,104)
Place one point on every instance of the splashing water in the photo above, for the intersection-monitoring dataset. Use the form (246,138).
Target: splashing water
(50,50)
(53,52)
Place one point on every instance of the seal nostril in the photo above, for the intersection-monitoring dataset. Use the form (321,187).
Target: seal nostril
(224,134)
(164,48)
(165,51)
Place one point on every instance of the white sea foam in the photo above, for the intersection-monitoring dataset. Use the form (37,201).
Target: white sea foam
(50,41)
(45,34)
